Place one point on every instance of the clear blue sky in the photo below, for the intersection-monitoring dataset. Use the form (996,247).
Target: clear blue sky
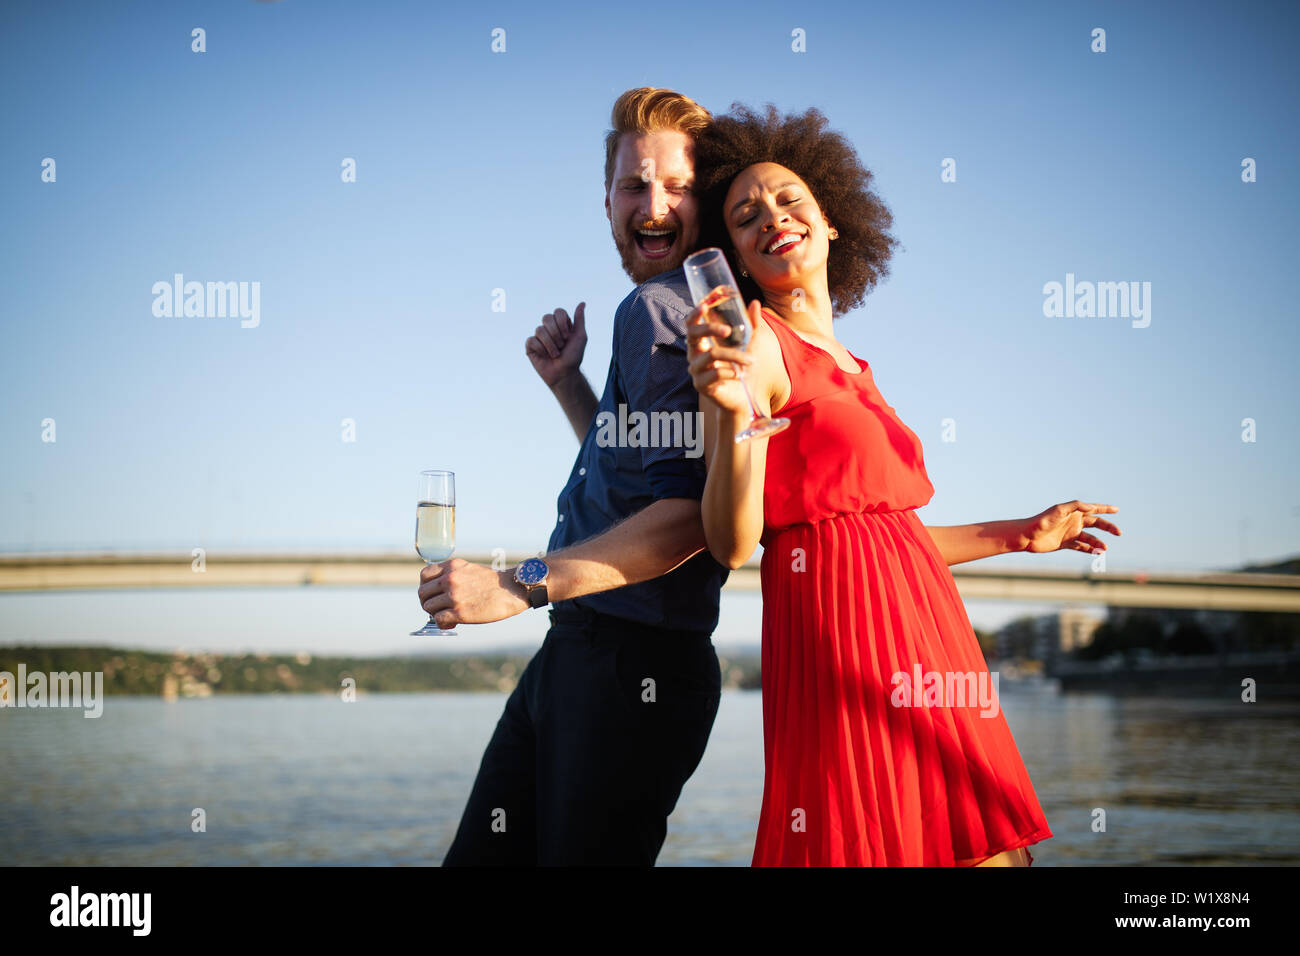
(479,171)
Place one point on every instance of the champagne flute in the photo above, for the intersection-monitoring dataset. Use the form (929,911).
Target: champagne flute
(713,285)
(435,529)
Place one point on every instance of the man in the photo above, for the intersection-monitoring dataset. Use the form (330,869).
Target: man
(612,714)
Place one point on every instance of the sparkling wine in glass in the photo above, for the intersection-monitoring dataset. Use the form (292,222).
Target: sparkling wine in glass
(712,284)
(435,528)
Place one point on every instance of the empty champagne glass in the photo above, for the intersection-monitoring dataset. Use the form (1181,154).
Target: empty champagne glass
(712,284)
(435,529)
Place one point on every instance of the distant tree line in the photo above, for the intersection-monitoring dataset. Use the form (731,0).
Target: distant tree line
(1164,634)
(202,675)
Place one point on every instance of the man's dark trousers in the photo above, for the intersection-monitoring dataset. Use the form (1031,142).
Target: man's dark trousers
(607,722)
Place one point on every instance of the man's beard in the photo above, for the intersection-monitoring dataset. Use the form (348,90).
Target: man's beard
(641,269)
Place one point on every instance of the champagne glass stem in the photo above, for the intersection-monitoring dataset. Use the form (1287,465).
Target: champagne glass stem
(753,409)
(760,426)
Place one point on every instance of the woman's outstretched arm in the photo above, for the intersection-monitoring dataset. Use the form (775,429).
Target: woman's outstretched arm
(970,542)
(1058,528)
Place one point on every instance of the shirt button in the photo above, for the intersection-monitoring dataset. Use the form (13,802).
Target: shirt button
(582,471)
(561,517)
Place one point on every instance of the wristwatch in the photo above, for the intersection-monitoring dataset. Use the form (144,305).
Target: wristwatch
(532,574)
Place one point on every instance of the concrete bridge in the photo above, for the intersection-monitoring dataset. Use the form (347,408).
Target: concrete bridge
(1224,591)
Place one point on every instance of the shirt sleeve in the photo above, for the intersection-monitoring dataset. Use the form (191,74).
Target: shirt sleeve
(652,365)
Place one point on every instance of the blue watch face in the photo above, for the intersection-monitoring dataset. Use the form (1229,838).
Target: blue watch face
(533,571)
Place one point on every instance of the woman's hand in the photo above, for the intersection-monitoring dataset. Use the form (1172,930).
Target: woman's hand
(1060,528)
(715,367)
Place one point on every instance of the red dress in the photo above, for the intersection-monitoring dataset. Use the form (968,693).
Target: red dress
(863,769)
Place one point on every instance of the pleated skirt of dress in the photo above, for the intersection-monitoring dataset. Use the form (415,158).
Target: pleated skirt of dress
(852,776)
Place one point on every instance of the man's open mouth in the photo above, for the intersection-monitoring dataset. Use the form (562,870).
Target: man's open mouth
(655,243)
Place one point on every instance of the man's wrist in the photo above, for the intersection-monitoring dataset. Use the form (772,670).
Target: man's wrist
(532,577)
(517,590)
(569,383)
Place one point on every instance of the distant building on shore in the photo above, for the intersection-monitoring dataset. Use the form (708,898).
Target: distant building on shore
(1077,632)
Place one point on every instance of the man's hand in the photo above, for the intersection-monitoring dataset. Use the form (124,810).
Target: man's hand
(457,592)
(556,348)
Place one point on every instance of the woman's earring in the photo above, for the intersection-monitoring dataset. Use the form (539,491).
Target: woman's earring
(744,273)
(835,234)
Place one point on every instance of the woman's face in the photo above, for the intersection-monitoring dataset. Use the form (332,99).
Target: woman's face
(779,232)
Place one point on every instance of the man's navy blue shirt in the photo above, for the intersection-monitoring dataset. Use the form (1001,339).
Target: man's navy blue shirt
(647,373)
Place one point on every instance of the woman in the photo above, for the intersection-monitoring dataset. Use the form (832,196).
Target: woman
(863,767)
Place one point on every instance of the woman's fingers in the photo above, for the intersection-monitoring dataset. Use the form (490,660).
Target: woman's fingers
(730,353)
(1093,544)
(1090,512)
(704,369)
(702,315)
(709,327)
(719,356)
(1101,524)
(721,372)
(697,333)
(701,338)
(705,378)
(703,362)
(708,345)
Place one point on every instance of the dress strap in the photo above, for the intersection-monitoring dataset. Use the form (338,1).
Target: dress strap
(806,350)
(790,357)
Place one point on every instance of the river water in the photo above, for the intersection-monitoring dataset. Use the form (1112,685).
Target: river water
(290,780)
